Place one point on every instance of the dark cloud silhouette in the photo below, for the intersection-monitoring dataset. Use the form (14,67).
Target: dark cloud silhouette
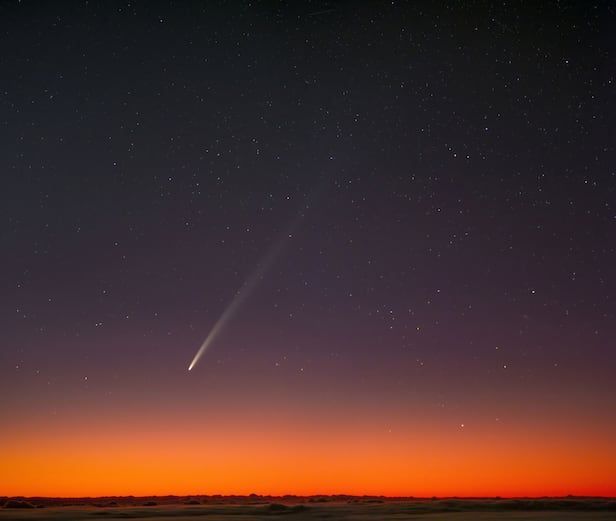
(14,503)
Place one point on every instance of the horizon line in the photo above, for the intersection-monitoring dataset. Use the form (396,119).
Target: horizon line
(383,496)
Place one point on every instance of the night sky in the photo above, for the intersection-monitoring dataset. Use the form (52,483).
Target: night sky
(423,194)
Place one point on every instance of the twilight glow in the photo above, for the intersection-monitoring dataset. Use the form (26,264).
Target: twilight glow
(416,201)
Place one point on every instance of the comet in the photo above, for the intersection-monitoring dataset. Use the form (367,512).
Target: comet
(242,294)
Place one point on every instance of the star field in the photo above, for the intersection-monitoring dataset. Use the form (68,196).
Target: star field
(452,172)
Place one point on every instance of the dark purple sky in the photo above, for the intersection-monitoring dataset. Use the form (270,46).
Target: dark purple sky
(453,167)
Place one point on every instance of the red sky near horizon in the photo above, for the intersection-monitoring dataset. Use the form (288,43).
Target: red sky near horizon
(289,453)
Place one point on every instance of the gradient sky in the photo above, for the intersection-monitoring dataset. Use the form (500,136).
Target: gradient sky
(441,318)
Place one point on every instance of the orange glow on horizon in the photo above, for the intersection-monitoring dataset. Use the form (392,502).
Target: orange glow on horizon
(277,459)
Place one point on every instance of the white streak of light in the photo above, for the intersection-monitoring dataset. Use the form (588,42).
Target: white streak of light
(240,297)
